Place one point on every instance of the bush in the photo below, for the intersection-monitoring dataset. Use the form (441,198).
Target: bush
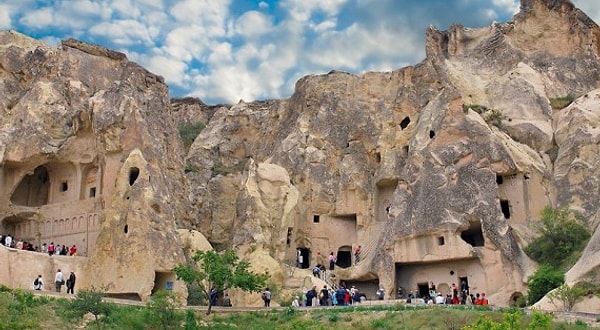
(561,236)
(189,132)
(562,102)
(545,279)
(567,296)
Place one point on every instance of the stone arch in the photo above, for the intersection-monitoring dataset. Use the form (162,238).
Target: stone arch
(96,221)
(516,299)
(80,224)
(90,185)
(33,189)
(48,231)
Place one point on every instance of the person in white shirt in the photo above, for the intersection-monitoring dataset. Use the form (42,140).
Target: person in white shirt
(8,241)
(439,299)
(59,280)
(38,284)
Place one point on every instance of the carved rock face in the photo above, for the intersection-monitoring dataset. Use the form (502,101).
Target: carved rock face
(464,148)
(90,156)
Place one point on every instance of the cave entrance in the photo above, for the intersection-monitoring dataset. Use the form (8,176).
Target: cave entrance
(505,207)
(423,288)
(33,189)
(344,256)
(473,235)
(305,253)
(163,281)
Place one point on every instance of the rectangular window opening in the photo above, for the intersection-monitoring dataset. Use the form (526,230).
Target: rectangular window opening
(441,240)
(92,192)
(316,218)
(64,186)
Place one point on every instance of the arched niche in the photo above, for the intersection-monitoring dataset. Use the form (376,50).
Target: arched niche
(34,188)
(90,184)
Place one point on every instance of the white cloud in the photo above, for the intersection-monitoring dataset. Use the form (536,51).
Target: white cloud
(303,10)
(252,24)
(5,19)
(38,18)
(123,32)
(263,5)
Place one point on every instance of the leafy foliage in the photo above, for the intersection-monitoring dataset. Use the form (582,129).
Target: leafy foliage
(561,235)
(161,310)
(189,132)
(221,271)
(545,279)
(89,301)
(567,296)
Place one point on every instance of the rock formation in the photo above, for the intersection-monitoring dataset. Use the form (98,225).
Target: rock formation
(438,171)
(90,156)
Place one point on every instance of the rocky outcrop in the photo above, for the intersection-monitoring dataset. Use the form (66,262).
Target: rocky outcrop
(90,156)
(465,148)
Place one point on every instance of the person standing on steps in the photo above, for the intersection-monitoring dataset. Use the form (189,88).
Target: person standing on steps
(357,253)
(332,260)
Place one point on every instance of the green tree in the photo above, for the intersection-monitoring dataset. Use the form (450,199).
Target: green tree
(567,295)
(545,279)
(222,271)
(561,235)
(90,301)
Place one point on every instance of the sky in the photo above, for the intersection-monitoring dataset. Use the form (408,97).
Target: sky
(223,51)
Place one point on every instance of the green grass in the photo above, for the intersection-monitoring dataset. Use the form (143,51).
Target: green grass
(21,310)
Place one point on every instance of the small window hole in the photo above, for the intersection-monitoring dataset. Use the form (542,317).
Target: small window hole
(134,172)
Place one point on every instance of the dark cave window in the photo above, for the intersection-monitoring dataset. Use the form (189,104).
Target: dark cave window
(92,192)
(126,229)
(431,134)
(441,240)
(134,172)
(499,179)
(505,208)
(316,218)
(64,186)
(404,123)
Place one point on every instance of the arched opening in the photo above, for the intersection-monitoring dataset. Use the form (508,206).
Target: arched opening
(431,134)
(473,235)
(134,173)
(163,281)
(126,229)
(305,253)
(344,256)
(33,189)
(517,300)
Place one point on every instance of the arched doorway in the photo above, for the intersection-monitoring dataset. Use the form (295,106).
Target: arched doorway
(344,256)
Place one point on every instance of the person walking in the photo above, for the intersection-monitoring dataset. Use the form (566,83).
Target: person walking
(59,280)
(267,297)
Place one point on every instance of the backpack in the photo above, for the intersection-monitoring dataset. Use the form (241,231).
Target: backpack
(36,282)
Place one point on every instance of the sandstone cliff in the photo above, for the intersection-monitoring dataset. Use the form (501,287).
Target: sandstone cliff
(465,147)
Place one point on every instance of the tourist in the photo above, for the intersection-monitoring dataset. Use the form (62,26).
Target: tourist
(439,299)
(432,292)
(324,296)
(213,295)
(71,283)
(59,280)
(332,260)
(51,248)
(267,297)
(357,253)
(44,248)
(73,250)
(38,283)
(8,241)
(380,294)
(226,300)
(64,251)
(296,302)
(299,259)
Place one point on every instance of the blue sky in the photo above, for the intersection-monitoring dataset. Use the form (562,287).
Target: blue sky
(226,50)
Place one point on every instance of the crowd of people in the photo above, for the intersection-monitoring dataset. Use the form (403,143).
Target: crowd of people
(458,296)
(50,249)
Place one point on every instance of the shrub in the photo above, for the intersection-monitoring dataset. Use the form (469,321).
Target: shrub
(189,132)
(161,310)
(562,102)
(561,235)
(567,296)
(545,279)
